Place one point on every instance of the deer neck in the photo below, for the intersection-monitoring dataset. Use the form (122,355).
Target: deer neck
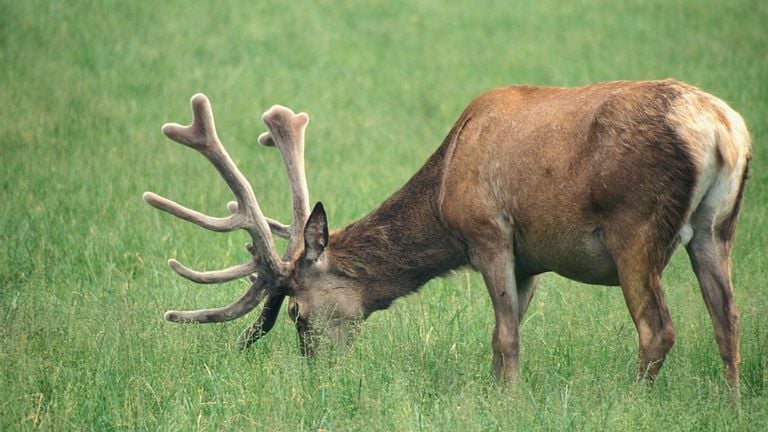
(401,245)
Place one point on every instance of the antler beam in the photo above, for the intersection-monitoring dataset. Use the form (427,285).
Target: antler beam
(286,131)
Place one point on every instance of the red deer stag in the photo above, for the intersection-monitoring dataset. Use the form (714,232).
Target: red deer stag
(599,184)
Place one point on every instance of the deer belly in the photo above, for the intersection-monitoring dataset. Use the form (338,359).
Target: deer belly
(583,258)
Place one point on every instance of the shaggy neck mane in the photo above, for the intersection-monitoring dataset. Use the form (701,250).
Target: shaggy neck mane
(402,244)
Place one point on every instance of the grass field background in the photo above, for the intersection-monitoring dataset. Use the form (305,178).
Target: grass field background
(84,88)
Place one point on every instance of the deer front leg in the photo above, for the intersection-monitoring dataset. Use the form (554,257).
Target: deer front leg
(497,267)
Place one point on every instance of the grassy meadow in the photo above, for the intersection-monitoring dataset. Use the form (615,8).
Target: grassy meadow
(84,89)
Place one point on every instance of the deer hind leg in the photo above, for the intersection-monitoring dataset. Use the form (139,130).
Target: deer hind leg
(640,278)
(710,255)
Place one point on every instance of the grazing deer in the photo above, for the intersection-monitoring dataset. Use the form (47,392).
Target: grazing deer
(599,184)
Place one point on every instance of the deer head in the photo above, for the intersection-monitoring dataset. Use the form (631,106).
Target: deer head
(272,277)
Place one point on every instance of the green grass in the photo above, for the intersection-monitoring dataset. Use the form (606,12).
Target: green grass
(84,88)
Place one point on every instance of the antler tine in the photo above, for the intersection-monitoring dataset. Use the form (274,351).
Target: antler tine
(212,223)
(255,294)
(264,323)
(278,229)
(201,136)
(216,276)
(286,131)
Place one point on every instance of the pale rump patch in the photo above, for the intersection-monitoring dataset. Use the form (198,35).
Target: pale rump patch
(719,144)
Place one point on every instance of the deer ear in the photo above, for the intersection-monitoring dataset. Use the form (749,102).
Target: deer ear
(315,233)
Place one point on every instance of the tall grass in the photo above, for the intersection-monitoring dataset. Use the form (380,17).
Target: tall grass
(84,87)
